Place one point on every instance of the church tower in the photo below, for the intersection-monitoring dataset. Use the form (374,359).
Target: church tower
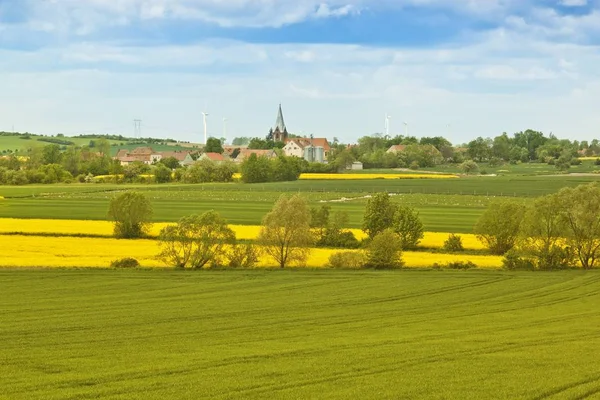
(279,133)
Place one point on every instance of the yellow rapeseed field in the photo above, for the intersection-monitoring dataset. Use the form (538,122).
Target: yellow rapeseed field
(242,232)
(32,251)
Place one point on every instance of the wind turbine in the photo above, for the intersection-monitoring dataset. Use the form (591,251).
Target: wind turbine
(204,115)
(405,128)
(387,124)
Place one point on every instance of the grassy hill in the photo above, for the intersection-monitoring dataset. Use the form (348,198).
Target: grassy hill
(18,143)
(298,334)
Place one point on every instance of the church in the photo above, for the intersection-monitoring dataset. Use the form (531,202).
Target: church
(279,133)
(311,149)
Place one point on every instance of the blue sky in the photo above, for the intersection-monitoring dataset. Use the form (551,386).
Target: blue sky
(459,68)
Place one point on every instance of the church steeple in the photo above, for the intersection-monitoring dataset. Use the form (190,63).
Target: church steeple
(279,133)
(280,124)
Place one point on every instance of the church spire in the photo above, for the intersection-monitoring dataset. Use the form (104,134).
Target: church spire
(280,124)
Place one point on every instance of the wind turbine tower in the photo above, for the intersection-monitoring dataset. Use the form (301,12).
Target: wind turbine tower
(405,128)
(387,124)
(204,115)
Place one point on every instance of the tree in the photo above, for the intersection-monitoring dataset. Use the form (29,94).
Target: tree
(52,154)
(285,169)
(385,251)
(479,149)
(162,174)
(408,226)
(170,162)
(498,227)
(256,169)
(319,219)
(379,214)
(196,241)
(132,213)
(581,216)
(285,233)
(213,145)
(241,141)
(542,233)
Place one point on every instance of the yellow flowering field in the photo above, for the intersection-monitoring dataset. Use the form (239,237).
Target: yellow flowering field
(35,251)
(312,176)
(242,232)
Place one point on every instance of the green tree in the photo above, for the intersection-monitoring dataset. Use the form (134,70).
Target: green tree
(479,149)
(385,251)
(241,141)
(103,147)
(162,174)
(52,154)
(379,214)
(498,227)
(542,232)
(319,219)
(408,226)
(256,169)
(285,169)
(581,216)
(170,162)
(196,241)
(132,213)
(285,232)
(71,160)
(213,145)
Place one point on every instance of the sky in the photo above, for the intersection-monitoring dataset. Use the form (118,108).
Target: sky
(456,68)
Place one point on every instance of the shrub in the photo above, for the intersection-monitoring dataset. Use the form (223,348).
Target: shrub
(414,165)
(385,251)
(125,263)
(132,213)
(347,259)
(243,256)
(513,261)
(453,244)
(460,265)
(341,239)
(597,162)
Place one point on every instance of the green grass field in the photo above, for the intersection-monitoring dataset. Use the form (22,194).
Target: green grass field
(446,205)
(81,334)
(17,144)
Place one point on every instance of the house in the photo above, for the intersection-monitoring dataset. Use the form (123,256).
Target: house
(245,153)
(397,148)
(147,155)
(184,157)
(216,157)
(355,166)
(311,149)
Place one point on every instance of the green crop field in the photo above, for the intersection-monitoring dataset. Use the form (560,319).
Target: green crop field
(82,334)
(445,205)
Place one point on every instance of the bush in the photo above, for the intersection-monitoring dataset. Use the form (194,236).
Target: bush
(414,165)
(243,256)
(342,239)
(132,213)
(385,251)
(597,162)
(125,263)
(512,261)
(347,259)
(453,244)
(460,265)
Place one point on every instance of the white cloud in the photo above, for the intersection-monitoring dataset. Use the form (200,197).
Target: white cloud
(503,81)
(573,3)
